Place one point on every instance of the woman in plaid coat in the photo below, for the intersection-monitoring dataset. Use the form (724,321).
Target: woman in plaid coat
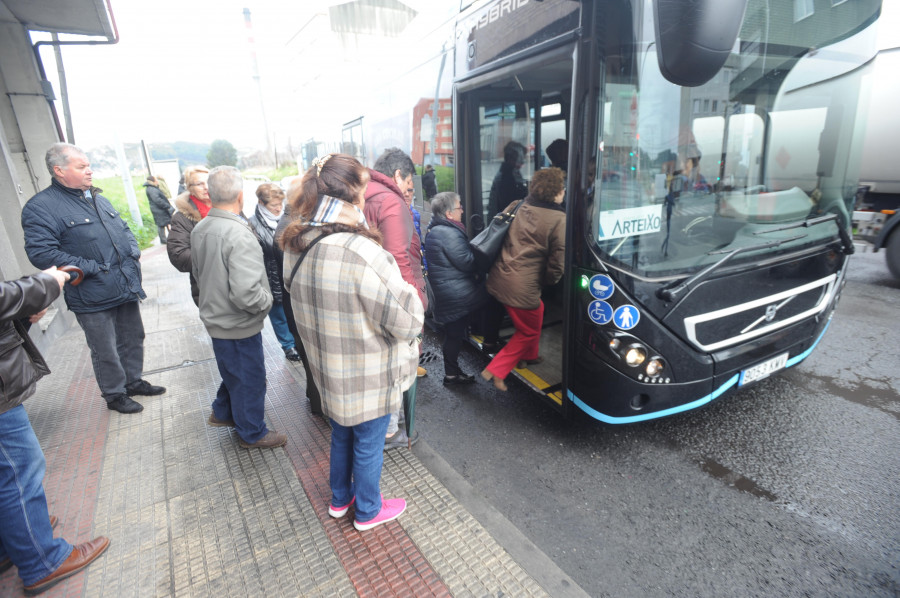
(358,320)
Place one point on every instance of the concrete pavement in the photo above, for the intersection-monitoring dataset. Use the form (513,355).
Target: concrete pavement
(191,513)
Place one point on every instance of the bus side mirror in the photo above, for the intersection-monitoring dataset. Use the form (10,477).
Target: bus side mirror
(693,39)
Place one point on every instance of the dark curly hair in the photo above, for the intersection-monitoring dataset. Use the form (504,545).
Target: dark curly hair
(547,183)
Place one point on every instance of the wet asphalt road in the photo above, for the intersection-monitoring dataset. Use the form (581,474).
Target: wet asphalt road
(788,488)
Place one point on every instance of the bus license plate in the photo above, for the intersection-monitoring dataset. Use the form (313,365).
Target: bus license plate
(766,368)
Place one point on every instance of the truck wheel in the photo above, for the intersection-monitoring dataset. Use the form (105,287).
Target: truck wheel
(892,249)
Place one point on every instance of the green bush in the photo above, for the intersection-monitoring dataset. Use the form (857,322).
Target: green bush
(114,191)
(281,172)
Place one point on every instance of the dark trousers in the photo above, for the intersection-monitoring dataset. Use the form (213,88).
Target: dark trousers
(241,397)
(312,393)
(454,335)
(491,320)
(115,337)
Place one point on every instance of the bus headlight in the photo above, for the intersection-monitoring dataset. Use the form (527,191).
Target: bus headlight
(655,367)
(635,355)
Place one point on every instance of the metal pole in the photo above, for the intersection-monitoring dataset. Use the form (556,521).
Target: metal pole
(146,153)
(434,111)
(255,66)
(63,89)
(127,184)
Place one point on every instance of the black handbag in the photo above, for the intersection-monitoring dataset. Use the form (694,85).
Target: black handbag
(487,244)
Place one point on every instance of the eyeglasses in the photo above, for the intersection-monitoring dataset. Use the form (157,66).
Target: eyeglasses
(198,185)
(460,208)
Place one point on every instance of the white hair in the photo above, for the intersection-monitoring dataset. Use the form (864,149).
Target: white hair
(59,155)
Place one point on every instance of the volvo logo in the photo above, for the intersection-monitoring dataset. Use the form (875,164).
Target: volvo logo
(771,313)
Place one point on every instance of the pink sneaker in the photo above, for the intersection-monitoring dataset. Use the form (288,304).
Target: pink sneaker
(337,512)
(390,510)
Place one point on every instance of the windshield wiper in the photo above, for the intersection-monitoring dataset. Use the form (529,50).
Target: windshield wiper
(846,241)
(671,294)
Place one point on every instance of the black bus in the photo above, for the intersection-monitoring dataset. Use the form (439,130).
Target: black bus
(712,166)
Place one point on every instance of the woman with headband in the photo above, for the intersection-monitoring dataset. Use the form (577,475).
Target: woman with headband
(358,320)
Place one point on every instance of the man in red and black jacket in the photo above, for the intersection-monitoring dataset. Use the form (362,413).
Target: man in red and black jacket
(387,209)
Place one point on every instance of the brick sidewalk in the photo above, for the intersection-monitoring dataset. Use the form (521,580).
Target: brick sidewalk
(190,513)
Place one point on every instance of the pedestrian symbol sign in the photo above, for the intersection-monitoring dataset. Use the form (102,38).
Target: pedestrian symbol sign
(626,317)
(600,312)
(601,286)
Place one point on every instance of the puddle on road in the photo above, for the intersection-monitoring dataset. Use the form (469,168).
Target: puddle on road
(735,480)
(866,394)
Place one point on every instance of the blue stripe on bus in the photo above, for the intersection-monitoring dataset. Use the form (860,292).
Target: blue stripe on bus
(665,412)
(797,359)
(687,406)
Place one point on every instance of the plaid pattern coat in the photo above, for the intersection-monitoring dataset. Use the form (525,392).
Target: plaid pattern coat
(358,320)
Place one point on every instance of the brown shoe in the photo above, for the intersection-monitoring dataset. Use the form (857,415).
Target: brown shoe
(82,556)
(219,423)
(499,383)
(271,440)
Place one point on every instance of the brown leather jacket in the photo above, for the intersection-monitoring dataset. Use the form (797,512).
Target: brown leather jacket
(21,364)
(533,254)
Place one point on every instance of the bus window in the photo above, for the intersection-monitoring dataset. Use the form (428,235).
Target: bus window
(687,174)
(507,140)
(507,137)
(743,158)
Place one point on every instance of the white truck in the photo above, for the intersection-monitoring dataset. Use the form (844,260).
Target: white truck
(878,203)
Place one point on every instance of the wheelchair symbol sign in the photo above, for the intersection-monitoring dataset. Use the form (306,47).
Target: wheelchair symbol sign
(626,317)
(601,286)
(600,312)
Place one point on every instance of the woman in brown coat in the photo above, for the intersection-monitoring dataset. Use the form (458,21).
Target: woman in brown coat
(533,256)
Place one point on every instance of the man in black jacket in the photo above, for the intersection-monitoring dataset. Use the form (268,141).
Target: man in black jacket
(26,535)
(70,223)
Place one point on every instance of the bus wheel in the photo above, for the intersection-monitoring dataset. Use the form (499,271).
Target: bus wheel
(892,248)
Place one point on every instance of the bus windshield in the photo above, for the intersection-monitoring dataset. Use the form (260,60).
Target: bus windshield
(683,175)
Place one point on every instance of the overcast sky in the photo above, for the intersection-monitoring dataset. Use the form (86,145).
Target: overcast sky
(182,71)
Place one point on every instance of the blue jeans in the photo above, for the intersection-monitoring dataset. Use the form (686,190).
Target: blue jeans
(241,397)
(357,454)
(280,326)
(115,337)
(25,535)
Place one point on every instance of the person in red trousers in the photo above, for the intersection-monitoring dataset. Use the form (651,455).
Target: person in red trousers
(533,256)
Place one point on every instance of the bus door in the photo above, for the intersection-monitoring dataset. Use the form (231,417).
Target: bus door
(500,153)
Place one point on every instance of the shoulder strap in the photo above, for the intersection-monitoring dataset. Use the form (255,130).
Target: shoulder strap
(302,257)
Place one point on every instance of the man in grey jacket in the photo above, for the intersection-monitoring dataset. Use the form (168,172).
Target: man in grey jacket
(227,262)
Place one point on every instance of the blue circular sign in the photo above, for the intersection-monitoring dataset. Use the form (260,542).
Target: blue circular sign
(600,312)
(601,286)
(626,317)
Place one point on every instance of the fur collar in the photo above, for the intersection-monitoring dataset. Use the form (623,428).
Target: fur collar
(187,208)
